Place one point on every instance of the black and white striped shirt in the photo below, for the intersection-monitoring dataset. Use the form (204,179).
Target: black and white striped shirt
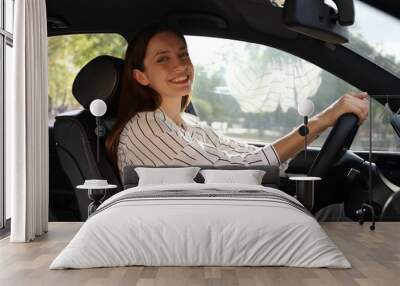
(152,138)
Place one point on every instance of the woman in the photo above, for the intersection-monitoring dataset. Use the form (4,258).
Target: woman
(150,128)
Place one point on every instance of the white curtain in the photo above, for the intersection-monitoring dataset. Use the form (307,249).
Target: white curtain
(27,124)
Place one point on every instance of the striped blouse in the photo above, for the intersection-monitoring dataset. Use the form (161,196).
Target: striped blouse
(153,139)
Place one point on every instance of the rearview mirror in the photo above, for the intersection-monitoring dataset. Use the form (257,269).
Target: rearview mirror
(317,19)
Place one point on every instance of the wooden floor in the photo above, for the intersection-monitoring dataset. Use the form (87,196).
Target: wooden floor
(375,257)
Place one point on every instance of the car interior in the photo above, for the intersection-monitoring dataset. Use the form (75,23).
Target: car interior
(178,213)
(345,172)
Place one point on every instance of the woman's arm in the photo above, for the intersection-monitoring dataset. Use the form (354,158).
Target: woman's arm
(149,140)
(292,143)
(226,143)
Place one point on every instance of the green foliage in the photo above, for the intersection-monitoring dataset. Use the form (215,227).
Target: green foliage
(203,108)
(212,104)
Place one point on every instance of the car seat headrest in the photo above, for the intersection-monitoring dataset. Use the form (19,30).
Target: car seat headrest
(99,79)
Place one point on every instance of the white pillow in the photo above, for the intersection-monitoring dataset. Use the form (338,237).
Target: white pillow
(248,177)
(163,176)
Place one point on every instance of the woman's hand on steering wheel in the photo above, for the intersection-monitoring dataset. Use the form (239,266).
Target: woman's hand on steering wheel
(350,102)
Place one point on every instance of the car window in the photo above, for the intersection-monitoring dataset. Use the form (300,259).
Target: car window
(375,35)
(251,92)
(383,137)
(67,55)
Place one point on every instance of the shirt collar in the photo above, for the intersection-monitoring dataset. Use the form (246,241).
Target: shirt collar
(161,114)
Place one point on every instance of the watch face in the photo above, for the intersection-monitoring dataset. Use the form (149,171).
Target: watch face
(303,130)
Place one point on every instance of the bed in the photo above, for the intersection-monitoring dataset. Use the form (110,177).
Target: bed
(201,224)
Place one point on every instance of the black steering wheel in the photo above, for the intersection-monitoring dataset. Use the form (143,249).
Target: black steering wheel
(339,139)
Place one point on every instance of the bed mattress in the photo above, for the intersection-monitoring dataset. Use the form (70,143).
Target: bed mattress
(201,225)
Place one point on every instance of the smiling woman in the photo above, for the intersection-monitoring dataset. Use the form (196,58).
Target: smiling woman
(167,70)
(156,89)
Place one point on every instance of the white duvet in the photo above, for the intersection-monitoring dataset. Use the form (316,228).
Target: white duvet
(207,230)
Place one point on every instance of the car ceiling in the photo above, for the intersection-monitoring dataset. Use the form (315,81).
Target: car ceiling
(128,16)
(250,20)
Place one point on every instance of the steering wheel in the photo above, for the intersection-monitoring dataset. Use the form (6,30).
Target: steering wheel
(339,139)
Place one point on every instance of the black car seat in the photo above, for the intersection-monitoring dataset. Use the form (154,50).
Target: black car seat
(74,130)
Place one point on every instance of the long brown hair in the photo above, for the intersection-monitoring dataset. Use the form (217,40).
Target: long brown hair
(134,96)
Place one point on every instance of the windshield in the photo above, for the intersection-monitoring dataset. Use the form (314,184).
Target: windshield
(375,35)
